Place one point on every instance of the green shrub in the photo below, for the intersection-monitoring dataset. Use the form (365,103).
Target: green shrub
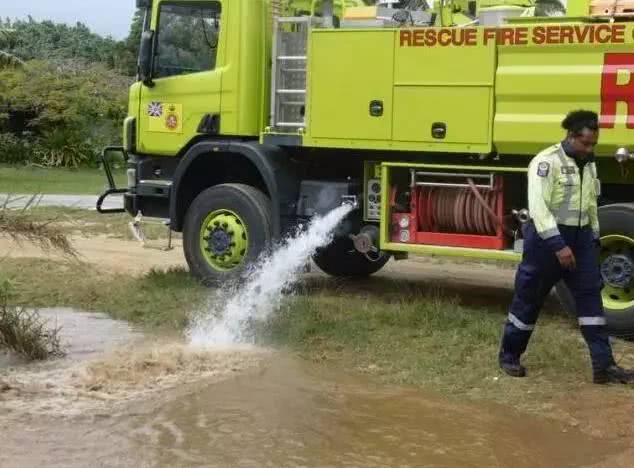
(61,147)
(14,149)
(60,114)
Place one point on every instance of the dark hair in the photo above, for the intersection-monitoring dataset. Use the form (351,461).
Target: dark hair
(577,120)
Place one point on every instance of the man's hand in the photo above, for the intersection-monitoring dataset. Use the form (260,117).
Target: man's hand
(566,259)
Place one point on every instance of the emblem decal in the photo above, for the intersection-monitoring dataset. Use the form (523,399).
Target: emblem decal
(543,168)
(155,109)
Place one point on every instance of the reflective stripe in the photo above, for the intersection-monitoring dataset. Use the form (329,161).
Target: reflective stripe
(519,324)
(563,161)
(548,233)
(586,321)
(572,218)
(567,213)
(564,208)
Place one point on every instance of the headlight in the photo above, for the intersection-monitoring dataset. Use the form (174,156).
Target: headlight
(404,222)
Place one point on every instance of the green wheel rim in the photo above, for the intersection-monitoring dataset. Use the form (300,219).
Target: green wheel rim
(224,240)
(617,298)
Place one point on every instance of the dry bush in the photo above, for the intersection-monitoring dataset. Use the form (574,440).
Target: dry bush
(18,225)
(28,334)
(23,331)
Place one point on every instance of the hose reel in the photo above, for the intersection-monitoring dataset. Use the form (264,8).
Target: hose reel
(453,209)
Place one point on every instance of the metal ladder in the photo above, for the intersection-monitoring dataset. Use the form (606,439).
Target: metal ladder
(288,81)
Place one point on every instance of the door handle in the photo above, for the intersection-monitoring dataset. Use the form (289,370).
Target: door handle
(439,130)
(376,108)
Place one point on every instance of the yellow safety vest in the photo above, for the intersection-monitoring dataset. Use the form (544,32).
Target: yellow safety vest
(557,194)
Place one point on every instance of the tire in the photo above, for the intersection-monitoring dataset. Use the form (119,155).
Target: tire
(340,258)
(227,227)
(618,303)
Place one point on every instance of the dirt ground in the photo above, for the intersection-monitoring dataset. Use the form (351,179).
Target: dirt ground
(133,257)
(106,253)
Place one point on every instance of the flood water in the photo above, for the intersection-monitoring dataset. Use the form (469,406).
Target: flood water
(252,408)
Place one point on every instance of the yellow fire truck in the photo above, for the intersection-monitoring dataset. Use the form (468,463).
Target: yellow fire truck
(252,116)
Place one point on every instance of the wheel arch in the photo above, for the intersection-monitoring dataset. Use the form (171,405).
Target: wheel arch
(613,218)
(209,163)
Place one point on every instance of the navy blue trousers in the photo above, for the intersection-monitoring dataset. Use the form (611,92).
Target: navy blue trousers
(537,274)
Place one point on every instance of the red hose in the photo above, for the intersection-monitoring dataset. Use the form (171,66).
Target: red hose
(458,210)
(485,203)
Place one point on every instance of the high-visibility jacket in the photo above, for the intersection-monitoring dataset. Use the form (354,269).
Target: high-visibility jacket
(560,194)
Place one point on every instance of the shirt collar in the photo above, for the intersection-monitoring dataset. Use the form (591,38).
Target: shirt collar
(568,152)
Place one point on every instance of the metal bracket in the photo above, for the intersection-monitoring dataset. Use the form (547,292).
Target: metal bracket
(489,178)
(137,231)
(350,200)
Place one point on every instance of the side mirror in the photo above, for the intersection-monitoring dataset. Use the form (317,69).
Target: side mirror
(143,3)
(146,57)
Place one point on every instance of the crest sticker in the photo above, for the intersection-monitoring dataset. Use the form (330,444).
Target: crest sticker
(165,117)
(172,119)
(543,168)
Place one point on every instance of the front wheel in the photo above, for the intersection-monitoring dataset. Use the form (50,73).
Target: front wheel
(340,258)
(226,228)
(617,270)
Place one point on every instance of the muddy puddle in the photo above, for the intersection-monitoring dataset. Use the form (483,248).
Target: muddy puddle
(84,336)
(122,399)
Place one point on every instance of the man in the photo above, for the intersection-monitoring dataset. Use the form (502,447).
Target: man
(561,242)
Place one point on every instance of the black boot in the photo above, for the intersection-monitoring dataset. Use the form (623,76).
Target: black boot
(513,368)
(613,374)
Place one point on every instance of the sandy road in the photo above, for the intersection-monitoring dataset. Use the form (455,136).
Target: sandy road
(132,257)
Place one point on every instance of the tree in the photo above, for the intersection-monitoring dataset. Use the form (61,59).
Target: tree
(549,8)
(129,48)
(45,40)
(7,58)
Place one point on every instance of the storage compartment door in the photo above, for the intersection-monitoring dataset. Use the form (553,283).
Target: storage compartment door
(351,77)
(442,114)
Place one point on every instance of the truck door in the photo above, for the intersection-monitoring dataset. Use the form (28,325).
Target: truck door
(186,76)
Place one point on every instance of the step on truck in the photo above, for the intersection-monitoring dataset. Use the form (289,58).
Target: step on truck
(249,117)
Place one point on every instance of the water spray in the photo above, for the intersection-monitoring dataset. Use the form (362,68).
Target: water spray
(261,291)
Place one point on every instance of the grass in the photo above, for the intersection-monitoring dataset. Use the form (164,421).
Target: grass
(158,299)
(409,334)
(30,179)
(397,332)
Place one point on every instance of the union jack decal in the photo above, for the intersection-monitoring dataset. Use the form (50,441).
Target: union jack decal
(155,109)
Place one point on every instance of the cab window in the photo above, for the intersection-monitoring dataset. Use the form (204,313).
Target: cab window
(187,39)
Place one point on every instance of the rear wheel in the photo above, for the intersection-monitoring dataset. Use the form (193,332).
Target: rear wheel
(340,258)
(226,228)
(617,270)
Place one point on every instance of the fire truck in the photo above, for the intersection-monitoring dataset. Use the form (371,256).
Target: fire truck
(250,117)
